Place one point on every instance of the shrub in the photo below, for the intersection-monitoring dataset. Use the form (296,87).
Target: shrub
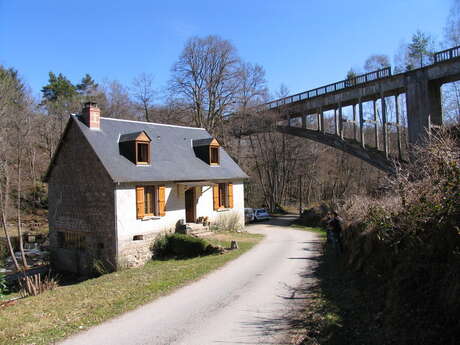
(3,286)
(3,249)
(179,245)
(230,221)
(410,239)
(34,285)
(160,246)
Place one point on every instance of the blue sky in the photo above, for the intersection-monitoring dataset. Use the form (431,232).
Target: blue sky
(303,44)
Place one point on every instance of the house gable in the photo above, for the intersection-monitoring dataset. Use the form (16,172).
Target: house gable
(81,200)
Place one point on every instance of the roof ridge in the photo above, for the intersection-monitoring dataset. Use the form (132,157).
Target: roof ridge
(152,123)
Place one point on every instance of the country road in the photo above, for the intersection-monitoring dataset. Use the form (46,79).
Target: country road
(241,303)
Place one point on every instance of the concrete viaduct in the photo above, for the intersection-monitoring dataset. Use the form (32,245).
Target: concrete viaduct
(421,86)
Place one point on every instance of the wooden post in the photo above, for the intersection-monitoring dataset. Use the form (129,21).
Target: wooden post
(385,129)
(361,123)
(304,121)
(376,124)
(398,128)
(289,121)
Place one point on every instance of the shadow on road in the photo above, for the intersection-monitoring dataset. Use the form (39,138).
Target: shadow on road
(330,307)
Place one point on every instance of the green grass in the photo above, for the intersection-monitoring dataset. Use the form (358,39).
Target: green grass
(319,231)
(66,310)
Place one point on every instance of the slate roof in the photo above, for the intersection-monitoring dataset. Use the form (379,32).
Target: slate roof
(130,136)
(172,154)
(202,142)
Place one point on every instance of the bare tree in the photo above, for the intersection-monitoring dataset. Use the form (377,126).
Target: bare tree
(451,91)
(206,78)
(144,93)
(14,116)
(116,102)
(376,61)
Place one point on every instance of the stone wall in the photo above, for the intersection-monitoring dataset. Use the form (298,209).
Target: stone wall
(81,200)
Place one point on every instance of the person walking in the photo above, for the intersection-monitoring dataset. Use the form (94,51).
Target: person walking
(336,229)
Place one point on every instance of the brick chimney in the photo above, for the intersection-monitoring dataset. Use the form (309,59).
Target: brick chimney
(91,115)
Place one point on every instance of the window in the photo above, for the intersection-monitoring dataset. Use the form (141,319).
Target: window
(138,237)
(150,204)
(136,147)
(150,201)
(143,154)
(214,154)
(71,240)
(223,196)
(207,150)
(223,201)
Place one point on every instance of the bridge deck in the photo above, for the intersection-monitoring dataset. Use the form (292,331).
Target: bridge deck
(370,86)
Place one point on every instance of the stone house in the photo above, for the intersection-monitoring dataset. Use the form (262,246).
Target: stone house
(114,185)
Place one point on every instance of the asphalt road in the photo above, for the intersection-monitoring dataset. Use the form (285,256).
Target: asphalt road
(244,302)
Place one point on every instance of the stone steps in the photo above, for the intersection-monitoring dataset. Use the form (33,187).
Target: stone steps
(198,230)
(202,234)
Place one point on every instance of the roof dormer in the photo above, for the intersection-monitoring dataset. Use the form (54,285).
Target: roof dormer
(136,147)
(208,150)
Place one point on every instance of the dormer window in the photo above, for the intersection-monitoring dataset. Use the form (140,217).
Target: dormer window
(143,153)
(136,147)
(208,150)
(214,154)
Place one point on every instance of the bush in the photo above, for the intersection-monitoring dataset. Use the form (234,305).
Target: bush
(4,253)
(179,245)
(160,246)
(228,222)
(3,286)
(410,239)
(314,216)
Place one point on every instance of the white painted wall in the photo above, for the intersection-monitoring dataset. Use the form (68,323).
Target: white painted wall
(205,207)
(128,225)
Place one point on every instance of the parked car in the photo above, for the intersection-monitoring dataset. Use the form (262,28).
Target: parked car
(261,214)
(248,215)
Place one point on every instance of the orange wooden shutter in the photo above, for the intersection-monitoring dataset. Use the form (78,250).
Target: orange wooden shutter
(215,193)
(230,195)
(140,202)
(161,201)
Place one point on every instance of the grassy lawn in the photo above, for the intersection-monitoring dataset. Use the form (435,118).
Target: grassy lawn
(66,310)
(319,231)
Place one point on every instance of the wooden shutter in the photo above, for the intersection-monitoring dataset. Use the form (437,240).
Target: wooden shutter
(161,201)
(230,195)
(140,202)
(215,194)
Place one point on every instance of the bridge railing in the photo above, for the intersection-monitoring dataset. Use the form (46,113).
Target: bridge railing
(447,54)
(340,85)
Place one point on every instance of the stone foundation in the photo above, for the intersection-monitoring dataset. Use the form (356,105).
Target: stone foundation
(136,253)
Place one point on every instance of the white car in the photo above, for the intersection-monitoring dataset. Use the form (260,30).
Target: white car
(248,215)
(261,214)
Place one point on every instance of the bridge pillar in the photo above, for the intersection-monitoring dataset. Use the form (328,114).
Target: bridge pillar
(361,123)
(376,124)
(355,132)
(398,127)
(385,128)
(423,99)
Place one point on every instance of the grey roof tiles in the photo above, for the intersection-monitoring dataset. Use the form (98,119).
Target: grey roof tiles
(172,154)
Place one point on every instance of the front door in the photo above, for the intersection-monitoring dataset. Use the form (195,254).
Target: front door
(190,205)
